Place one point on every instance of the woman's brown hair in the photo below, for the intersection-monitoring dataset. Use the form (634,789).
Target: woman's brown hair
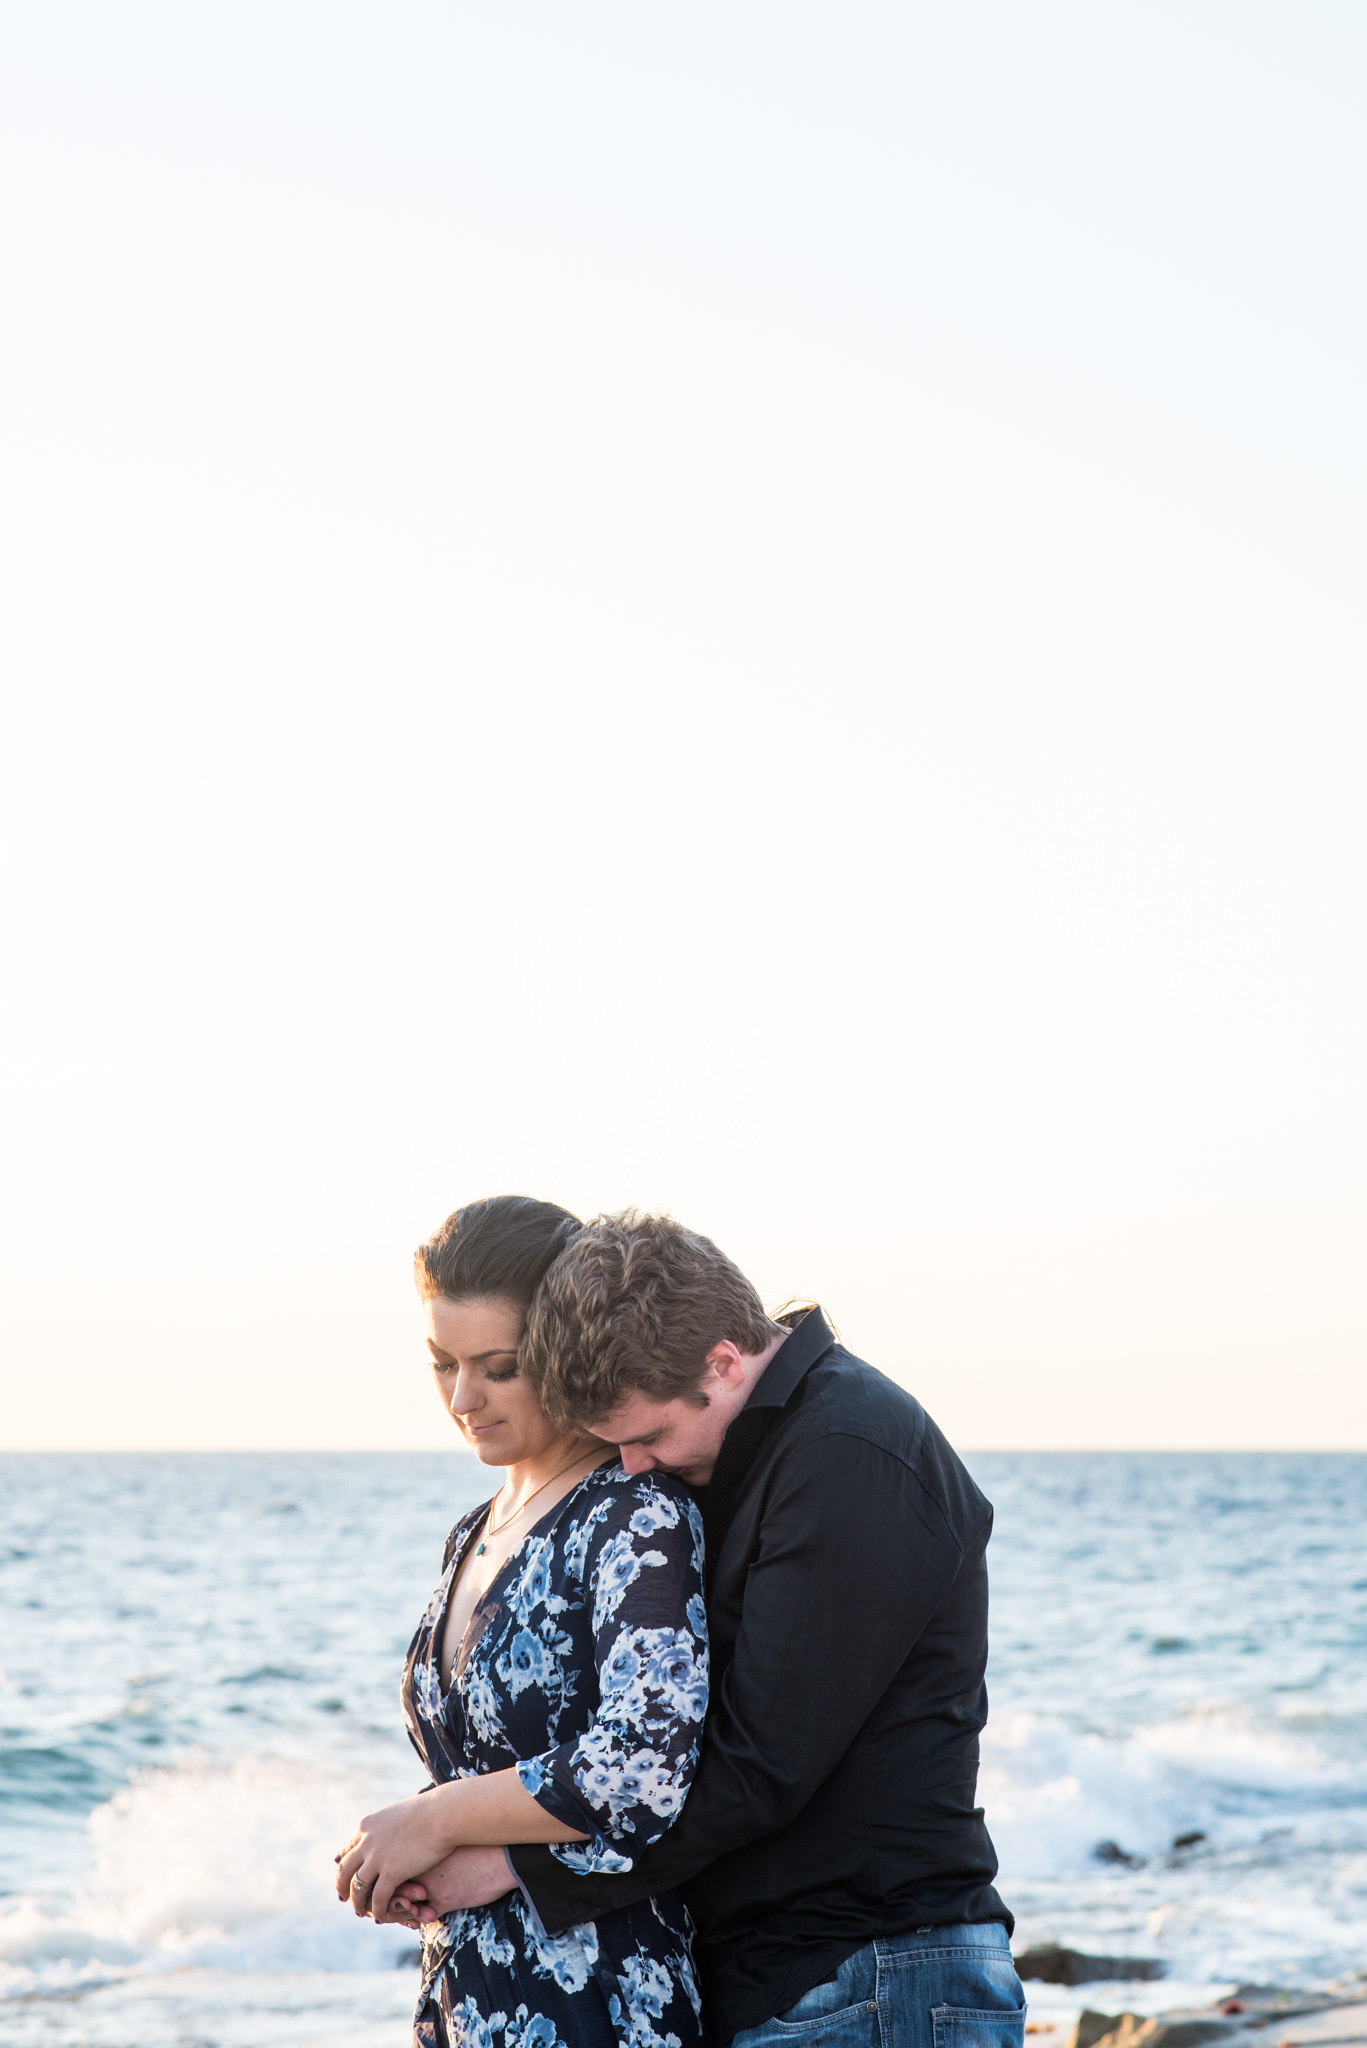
(498,1249)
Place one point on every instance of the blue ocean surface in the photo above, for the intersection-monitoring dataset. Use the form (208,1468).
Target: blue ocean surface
(201,1657)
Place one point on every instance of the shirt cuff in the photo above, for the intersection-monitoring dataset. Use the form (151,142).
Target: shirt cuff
(528,1902)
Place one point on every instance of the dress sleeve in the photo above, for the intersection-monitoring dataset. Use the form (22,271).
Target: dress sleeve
(624,1779)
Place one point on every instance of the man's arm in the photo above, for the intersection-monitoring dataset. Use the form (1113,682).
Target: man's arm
(854,1559)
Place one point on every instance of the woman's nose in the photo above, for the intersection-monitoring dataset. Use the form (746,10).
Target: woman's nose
(465,1395)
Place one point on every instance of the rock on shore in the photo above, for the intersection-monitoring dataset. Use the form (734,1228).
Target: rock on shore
(1256,2016)
(1049,1964)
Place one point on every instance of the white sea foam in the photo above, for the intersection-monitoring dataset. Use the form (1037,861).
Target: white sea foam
(1273,1890)
(1054,1792)
(204,1863)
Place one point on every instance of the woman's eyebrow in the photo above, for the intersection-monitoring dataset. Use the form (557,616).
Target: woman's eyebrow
(476,1357)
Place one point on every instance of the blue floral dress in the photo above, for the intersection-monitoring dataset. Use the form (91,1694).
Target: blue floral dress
(585,1664)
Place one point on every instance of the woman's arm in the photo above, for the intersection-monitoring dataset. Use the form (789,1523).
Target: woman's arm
(619,1785)
(402,1840)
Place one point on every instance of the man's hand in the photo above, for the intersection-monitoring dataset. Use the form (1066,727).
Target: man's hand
(402,1913)
(467,1877)
(389,1846)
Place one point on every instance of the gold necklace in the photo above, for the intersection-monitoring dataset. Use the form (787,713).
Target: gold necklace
(493,1528)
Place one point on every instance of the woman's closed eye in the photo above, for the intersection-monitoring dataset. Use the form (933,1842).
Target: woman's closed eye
(442,1367)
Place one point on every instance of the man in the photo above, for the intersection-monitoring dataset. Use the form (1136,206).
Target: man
(831,1850)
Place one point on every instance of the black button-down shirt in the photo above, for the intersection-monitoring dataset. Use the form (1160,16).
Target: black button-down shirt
(847,1606)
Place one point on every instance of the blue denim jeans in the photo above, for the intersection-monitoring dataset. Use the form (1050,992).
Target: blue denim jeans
(941,1987)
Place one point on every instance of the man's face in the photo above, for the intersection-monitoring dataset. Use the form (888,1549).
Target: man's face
(675,1436)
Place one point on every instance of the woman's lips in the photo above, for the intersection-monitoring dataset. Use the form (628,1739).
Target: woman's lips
(482,1428)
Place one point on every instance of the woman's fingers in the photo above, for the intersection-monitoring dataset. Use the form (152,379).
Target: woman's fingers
(390,1848)
(400,1914)
(411,1904)
(363,1879)
(403,1907)
(350,1864)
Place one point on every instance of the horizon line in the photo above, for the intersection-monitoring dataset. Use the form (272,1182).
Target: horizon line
(462,1451)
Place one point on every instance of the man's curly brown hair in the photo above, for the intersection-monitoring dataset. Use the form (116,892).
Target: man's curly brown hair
(633,1305)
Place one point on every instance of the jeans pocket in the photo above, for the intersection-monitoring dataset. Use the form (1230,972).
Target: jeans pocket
(833,2014)
(850,2026)
(960,2026)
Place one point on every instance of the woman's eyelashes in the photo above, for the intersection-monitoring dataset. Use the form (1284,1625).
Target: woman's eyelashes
(443,1367)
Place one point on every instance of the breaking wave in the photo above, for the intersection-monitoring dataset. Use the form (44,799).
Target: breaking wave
(203,1863)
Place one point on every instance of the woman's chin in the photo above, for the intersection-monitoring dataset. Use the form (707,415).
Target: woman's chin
(487,1450)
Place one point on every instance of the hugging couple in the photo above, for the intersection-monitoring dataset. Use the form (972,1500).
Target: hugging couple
(616,1850)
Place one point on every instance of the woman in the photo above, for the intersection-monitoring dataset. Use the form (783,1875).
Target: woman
(555,1688)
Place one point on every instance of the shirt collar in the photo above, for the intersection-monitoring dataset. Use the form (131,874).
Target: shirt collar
(805,1343)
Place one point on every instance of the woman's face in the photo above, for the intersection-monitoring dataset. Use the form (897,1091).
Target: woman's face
(474,1358)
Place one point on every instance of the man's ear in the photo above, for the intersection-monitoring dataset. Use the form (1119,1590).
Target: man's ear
(726,1362)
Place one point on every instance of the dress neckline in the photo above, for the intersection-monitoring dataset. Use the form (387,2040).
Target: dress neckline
(487,1604)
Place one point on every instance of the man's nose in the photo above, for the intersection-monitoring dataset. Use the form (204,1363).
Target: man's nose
(636,1459)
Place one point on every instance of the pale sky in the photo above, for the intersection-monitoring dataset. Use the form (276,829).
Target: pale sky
(751,608)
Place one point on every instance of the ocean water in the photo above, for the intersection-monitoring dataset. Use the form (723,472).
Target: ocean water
(201,1657)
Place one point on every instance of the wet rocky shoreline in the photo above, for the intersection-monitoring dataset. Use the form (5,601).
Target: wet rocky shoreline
(1252,2016)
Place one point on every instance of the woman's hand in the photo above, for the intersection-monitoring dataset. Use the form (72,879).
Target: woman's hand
(467,1877)
(404,1840)
(396,1843)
